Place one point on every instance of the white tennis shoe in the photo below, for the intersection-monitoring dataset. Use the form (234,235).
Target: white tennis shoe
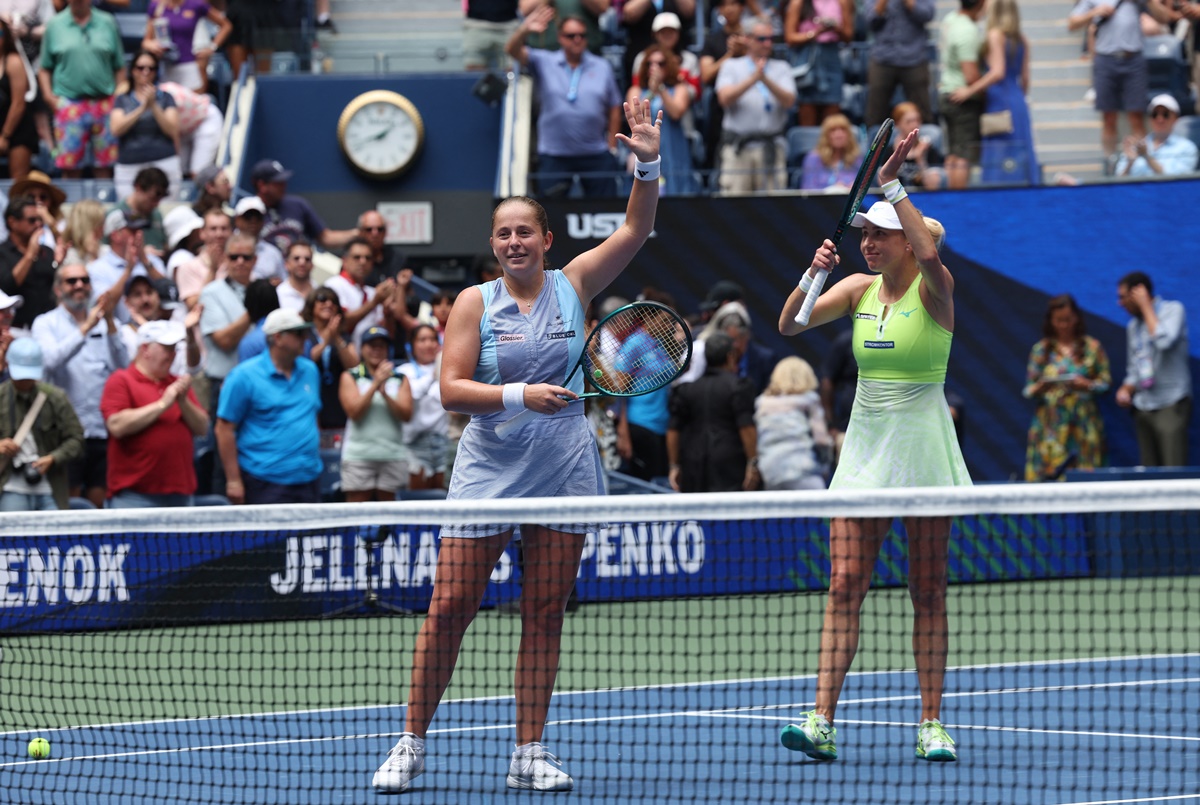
(533,768)
(404,763)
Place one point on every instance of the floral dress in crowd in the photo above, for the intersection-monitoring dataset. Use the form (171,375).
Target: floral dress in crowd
(1067,420)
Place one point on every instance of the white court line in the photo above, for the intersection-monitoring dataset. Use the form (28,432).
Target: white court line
(637,688)
(1172,798)
(980,728)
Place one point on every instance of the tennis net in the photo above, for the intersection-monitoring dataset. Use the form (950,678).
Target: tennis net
(262,655)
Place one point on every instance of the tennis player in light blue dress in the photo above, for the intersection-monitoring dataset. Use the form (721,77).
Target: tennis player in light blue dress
(900,435)
(509,345)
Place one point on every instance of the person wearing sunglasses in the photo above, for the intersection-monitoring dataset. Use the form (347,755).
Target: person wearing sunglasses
(757,94)
(580,108)
(1163,152)
(386,258)
(26,266)
(81,347)
(145,121)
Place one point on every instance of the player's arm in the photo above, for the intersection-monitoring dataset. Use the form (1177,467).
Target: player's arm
(593,271)
(460,357)
(836,302)
(937,290)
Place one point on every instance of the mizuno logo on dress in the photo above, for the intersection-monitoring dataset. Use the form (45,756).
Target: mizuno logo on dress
(906,313)
(509,338)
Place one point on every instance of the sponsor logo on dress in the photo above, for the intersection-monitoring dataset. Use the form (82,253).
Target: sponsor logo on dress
(879,344)
(567,334)
(509,338)
(906,313)
(867,316)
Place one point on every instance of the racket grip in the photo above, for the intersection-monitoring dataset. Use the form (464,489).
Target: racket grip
(509,425)
(811,298)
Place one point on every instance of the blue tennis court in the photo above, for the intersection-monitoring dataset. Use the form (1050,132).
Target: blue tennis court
(1115,730)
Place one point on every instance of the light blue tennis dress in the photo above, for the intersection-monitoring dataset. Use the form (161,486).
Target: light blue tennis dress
(550,456)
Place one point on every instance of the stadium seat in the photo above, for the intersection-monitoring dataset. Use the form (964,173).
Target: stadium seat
(854,63)
(1167,69)
(285,62)
(854,102)
(800,140)
(1189,127)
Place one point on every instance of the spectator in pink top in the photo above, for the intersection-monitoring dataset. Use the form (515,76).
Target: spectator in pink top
(814,31)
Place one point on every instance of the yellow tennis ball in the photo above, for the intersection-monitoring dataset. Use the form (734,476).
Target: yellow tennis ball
(598,373)
(39,748)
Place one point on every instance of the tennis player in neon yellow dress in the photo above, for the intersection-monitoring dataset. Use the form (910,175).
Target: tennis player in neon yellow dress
(900,435)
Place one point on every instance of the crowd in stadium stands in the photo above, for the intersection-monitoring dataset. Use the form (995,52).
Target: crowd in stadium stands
(821,60)
(161,353)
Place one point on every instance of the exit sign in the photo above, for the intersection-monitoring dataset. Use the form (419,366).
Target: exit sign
(408,222)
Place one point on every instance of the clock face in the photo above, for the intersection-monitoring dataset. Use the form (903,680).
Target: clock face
(381,133)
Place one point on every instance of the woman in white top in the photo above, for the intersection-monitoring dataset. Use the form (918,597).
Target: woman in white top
(378,401)
(427,433)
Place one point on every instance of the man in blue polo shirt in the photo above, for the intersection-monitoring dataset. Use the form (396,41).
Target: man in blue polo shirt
(267,420)
(580,108)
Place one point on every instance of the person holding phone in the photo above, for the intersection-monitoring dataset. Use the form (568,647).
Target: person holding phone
(1067,370)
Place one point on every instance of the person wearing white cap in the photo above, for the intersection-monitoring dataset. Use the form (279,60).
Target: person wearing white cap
(643,19)
(266,427)
(249,217)
(8,308)
(182,226)
(667,29)
(900,435)
(1163,152)
(34,455)
(152,417)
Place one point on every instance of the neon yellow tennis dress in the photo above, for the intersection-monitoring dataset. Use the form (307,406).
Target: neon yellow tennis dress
(900,432)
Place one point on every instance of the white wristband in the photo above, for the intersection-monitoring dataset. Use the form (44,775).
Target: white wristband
(647,171)
(894,192)
(514,396)
(806,281)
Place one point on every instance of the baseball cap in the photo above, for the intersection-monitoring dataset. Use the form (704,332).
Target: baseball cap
(882,214)
(116,220)
(24,359)
(14,301)
(179,223)
(1164,100)
(721,292)
(205,176)
(163,331)
(250,203)
(372,333)
(269,170)
(283,320)
(666,19)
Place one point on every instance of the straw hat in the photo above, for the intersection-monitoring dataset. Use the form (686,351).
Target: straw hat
(38,179)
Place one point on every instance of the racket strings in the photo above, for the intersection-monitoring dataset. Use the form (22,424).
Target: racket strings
(636,351)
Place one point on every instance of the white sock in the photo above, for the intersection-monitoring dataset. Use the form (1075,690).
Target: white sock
(527,749)
(419,743)
(323,17)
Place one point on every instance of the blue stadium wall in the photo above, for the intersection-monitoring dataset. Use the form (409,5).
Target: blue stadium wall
(1010,249)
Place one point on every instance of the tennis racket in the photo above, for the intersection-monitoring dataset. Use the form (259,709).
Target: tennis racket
(858,191)
(633,351)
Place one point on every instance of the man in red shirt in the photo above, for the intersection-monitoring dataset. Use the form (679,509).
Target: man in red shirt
(151,417)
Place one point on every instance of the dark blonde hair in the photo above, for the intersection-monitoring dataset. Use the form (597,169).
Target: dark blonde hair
(825,150)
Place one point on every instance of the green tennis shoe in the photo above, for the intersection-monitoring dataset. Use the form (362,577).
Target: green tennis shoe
(814,737)
(934,743)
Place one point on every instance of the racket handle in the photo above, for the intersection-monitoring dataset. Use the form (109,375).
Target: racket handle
(811,298)
(509,425)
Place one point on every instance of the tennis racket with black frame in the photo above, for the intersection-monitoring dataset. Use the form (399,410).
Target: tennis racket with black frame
(858,191)
(639,348)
